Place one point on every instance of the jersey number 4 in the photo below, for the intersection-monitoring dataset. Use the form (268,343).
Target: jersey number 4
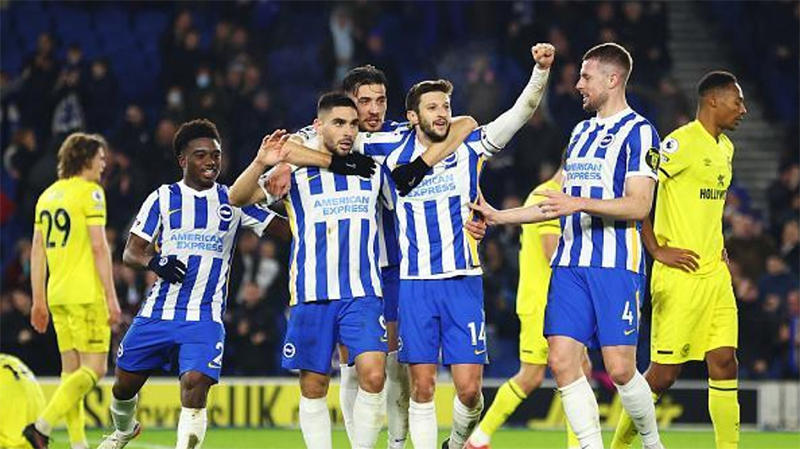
(61,221)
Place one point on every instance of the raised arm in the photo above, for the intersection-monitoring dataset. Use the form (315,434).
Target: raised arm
(500,131)
(39,314)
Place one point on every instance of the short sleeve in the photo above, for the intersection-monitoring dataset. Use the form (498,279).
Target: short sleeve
(148,220)
(257,218)
(674,159)
(94,206)
(643,151)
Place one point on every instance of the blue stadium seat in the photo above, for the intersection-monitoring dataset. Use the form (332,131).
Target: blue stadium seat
(150,23)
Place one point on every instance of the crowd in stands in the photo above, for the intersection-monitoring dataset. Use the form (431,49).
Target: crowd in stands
(133,71)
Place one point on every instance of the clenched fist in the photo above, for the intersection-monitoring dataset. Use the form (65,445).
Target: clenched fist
(543,54)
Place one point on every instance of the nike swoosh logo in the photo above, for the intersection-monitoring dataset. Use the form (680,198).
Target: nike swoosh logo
(629,331)
(479,352)
(314,177)
(212,366)
(173,211)
(351,166)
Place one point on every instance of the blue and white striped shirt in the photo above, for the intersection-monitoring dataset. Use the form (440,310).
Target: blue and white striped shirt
(602,155)
(430,219)
(334,226)
(200,228)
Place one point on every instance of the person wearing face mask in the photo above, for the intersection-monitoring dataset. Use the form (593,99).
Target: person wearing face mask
(694,308)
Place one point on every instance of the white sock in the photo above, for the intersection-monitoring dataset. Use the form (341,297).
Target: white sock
(191,428)
(348,390)
(397,395)
(368,413)
(637,399)
(315,422)
(464,421)
(580,406)
(123,413)
(422,424)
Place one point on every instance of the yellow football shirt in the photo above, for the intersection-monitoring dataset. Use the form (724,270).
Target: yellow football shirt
(694,176)
(64,213)
(22,400)
(534,267)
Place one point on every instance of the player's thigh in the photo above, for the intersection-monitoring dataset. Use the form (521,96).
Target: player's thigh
(617,295)
(147,345)
(65,327)
(391,292)
(311,336)
(533,347)
(724,317)
(361,326)
(418,322)
(569,311)
(463,321)
(682,314)
(201,345)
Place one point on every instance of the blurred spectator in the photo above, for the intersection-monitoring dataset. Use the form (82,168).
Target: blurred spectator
(782,196)
(132,138)
(482,91)
(566,106)
(18,273)
(175,105)
(253,334)
(125,187)
(40,74)
(500,291)
(673,108)
(537,142)
(161,155)
(777,280)
(790,245)
(748,246)
(20,156)
(758,332)
(100,94)
(68,94)
(339,50)
(18,337)
(792,330)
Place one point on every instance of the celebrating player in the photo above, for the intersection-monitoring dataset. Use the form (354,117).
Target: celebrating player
(598,268)
(694,309)
(441,298)
(193,227)
(538,241)
(71,273)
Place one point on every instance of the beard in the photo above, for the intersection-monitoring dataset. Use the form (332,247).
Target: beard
(430,132)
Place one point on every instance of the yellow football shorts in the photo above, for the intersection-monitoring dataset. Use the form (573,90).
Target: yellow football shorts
(23,401)
(691,314)
(533,348)
(82,327)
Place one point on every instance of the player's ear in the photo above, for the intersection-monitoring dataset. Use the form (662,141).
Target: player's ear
(317,124)
(412,117)
(182,160)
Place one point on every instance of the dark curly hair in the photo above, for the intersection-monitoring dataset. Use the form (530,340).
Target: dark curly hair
(191,130)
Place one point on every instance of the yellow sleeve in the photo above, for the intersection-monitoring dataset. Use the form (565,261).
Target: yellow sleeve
(674,157)
(553,226)
(94,206)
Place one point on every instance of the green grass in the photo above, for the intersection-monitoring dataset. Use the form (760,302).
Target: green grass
(505,439)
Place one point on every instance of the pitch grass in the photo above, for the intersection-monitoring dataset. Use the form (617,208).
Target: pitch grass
(505,439)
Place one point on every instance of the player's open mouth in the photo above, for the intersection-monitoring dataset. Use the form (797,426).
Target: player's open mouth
(373,122)
(210,172)
(346,144)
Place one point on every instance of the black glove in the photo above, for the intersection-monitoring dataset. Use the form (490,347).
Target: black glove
(168,268)
(408,176)
(353,164)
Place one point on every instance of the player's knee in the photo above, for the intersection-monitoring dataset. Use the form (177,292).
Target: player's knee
(372,380)
(470,395)
(529,379)
(724,367)
(559,364)
(620,374)
(122,391)
(422,389)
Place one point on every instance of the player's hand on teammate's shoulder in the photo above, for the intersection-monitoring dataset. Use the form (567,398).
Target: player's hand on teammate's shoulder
(559,204)
(353,164)
(169,268)
(408,176)
(544,55)
(273,149)
(682,259)
(40,317)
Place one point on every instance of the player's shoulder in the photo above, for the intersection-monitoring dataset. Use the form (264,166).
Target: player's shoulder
(306,133)
(536,194)
(681,137)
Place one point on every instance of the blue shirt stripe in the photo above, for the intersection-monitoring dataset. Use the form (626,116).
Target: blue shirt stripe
(434,236)
(590,140)
(621,259)
(390,236)
(163,289)
(256,212)
(458,232)
(223,199)
(411,234)
(339,182)
(297,206)
(577,235)
(620,171)
(367,263)
(200,212)
(577,137)
(344,259)
(408,148)
(175,201)
(634,145)
(153,218)
(320,251)
(560,248)
(597,230)
(314,180)
(211,288)
(185,293)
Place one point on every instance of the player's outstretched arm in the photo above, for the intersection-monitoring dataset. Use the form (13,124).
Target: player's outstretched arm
(682,259)
(517,215)
(39,314)
(137,256)
(351,164)
(635,204)
(102,263)
(500,131)
(408,176)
